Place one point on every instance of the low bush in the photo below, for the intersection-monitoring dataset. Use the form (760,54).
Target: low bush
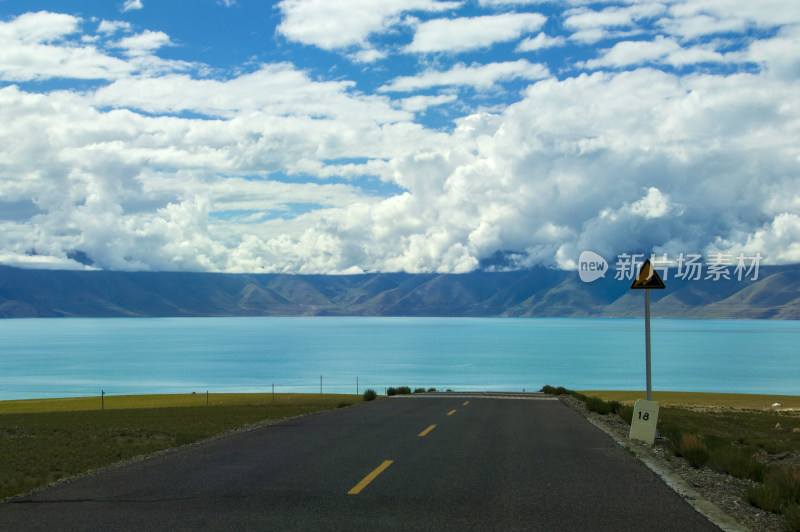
(715,452)
(391,391)
(736,462)
(672,434)
(419,390)
(791,515)
(780,490)
(692,448)
(431,389)
(562,391)
(765,496)
(626,413)
(370,395)
(403,390)
(595,404)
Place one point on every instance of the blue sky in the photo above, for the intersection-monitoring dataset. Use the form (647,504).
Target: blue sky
(341,136)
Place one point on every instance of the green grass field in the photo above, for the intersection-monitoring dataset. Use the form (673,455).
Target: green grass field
(44,440)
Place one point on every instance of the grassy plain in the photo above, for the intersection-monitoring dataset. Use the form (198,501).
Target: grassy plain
(124,402)
(44,440)
(740,401)
(746,419)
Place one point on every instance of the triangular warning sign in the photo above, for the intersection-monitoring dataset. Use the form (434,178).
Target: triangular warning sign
(647,278)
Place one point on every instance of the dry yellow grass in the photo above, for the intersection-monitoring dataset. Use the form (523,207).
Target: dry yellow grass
(118,402)
(698,399)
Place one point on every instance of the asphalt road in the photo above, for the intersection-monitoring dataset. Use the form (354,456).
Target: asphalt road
(487,464)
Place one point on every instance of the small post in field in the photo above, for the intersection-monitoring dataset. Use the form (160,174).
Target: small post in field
(102,399)
(206,397)
(273,393)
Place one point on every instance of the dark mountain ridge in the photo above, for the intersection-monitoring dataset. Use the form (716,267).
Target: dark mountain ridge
(537,292)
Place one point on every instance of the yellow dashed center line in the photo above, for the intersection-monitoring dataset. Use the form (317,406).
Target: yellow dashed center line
(426,431)
(386,463)
(369,478)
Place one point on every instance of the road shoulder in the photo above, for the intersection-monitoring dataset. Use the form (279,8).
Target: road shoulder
(715,495)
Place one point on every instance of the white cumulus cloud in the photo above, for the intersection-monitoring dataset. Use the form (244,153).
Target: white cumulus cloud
(460,34)
(660,50)
(478,76)
(31,49)
(541,41)
(332,24)
(332,149)
(132,5)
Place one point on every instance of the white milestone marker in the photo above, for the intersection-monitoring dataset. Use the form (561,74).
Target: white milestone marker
(643,424)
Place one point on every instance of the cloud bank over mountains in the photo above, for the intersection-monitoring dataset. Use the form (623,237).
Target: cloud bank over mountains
(400,135)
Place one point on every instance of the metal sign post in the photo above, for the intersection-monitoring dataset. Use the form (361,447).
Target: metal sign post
(645,412)
(647,342)
(648,278)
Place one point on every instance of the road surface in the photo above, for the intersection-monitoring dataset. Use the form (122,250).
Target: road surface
(404,463)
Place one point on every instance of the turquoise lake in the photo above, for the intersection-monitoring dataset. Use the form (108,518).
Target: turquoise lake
(69,357)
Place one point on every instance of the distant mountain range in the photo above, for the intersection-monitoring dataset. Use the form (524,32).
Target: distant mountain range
(538,292)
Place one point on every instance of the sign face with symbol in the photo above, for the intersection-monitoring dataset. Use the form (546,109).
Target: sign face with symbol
(643,424)
(647,278)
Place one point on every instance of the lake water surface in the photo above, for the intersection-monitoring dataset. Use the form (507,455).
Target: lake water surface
(67,357)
